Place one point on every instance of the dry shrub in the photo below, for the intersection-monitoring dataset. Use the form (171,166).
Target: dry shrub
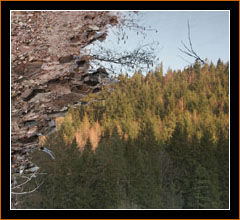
(59,122)
(68,139)
(95,135)
(119,130)
(125,136)
(85,127)
(82,133)
(81,142)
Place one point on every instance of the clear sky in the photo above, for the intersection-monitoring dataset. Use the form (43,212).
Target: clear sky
(209,35)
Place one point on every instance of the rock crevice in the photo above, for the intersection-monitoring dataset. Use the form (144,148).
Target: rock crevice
(49,72)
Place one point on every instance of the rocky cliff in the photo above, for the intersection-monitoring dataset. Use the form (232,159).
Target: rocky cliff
(49,72)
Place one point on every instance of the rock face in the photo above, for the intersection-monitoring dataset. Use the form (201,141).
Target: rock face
(49,71)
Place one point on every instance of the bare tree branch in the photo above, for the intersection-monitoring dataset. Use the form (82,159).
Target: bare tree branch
(21,186)
(114,60)
(189,50)
(142,57)
(23,193)
(184,59)
(28,179)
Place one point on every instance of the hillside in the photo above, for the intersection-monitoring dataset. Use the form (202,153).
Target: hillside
(150,141)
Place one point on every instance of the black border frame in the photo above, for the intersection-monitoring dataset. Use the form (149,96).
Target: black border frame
(6,213)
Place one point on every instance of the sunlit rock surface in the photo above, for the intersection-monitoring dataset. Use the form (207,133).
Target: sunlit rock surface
(49,72)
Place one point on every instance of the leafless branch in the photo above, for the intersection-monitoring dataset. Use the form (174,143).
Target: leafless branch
(21,185)
(184,59)
(131,22)
(23,193)
(142,57)
(115,60)
(28,179)
(189,50)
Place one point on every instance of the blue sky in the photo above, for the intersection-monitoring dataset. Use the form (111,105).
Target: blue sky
(209,35)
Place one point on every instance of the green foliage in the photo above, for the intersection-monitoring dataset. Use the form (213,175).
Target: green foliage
(164,144)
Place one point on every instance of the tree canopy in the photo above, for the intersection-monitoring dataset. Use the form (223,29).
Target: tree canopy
(149,141)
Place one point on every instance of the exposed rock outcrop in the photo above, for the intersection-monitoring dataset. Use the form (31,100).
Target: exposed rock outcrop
(49,72)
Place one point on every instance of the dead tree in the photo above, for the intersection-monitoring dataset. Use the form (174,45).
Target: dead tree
(142,57)
(21,184)
(189,51)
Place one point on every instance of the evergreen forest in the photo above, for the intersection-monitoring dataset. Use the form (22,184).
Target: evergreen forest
(150,141)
